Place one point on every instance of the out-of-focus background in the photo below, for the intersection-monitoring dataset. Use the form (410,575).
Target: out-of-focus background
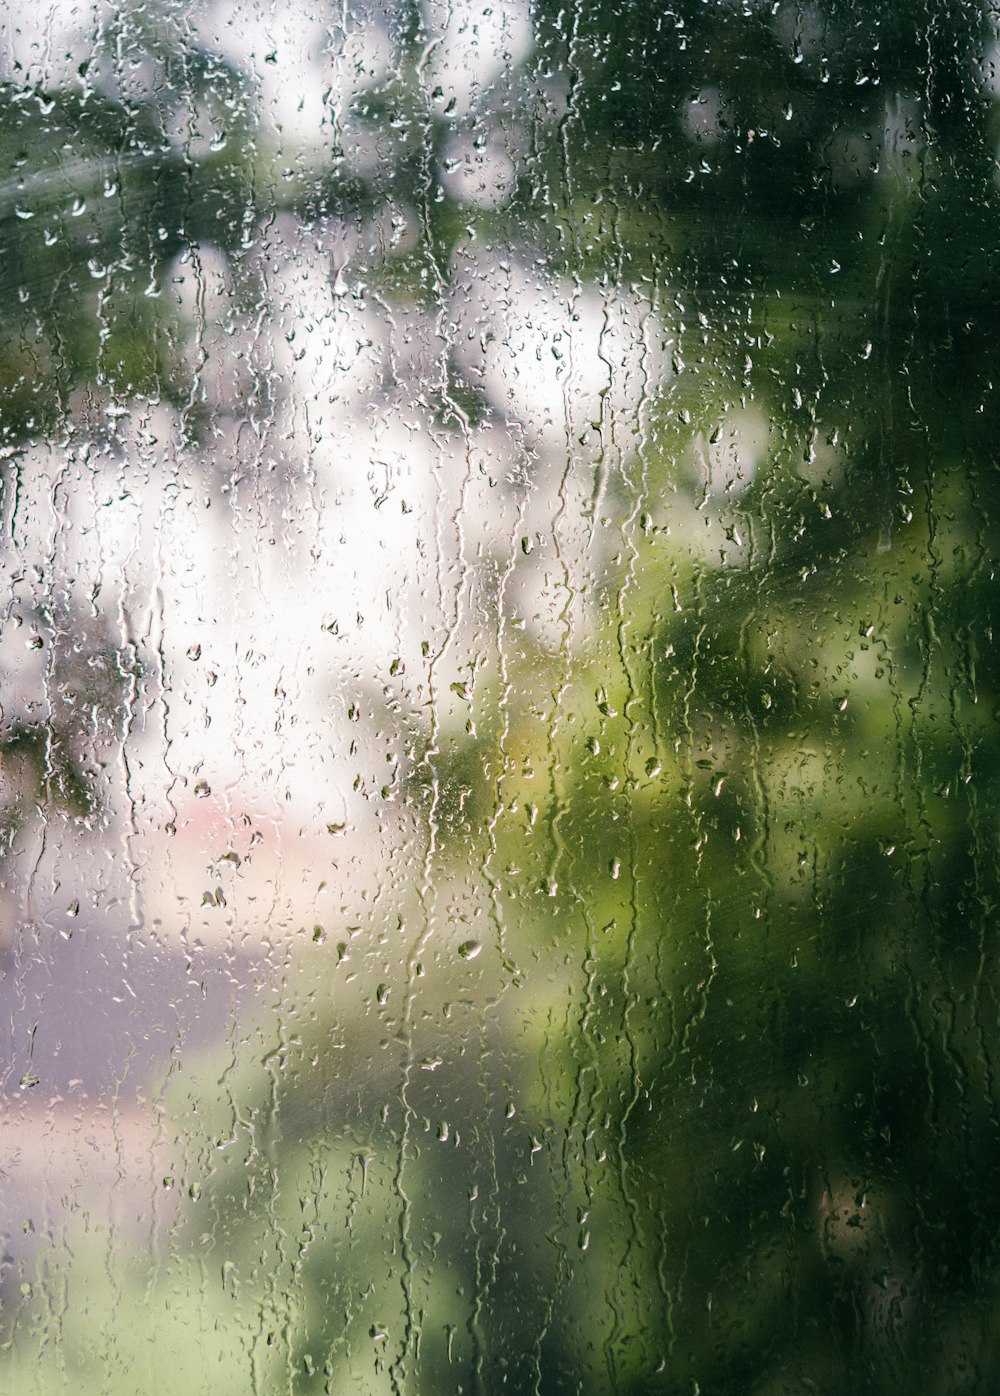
(498,698)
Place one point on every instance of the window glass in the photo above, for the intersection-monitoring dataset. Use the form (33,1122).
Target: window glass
(498,697)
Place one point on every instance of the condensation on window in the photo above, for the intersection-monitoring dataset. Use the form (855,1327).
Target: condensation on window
(499,772)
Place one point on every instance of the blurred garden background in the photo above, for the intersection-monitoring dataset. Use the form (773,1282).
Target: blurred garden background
(499,774)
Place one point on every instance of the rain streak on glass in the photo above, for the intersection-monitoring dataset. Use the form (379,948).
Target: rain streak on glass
(499,769)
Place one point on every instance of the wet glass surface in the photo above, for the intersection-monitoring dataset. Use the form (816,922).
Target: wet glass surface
(499,773)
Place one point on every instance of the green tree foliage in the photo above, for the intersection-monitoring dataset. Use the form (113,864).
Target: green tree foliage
(677,1072)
